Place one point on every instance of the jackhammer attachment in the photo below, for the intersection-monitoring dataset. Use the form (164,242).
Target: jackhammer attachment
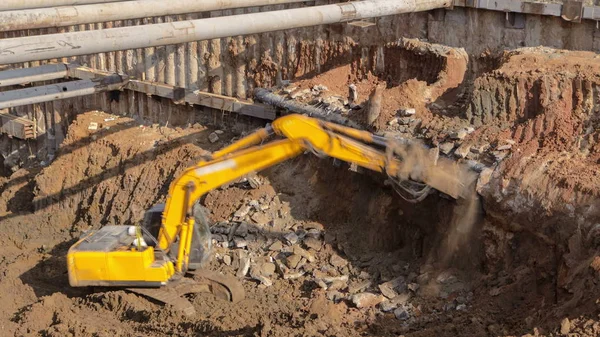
(201,281)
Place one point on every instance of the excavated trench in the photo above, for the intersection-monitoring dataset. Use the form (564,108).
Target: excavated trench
(530,117)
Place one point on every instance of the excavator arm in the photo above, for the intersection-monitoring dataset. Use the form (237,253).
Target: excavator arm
(300,134)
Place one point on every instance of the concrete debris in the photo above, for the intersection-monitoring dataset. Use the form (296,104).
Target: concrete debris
(244,267)
(219,132)
(267,269)
(312,243)
(459,135)
(393,122)
(338,285)
(276,246)
(358,287)
(332,279)
(461,307)
(291,238)
(366,300)
(401,314)
(289,90)
(334,295)
(352,93)
(413,287)
(260,218)
(254,204)
(321,284)
(93,126)
(407,112)
(293,260)
(213,137)
(387,306)
(319,87)
(504,147)
(305,254)
(391,288)
(299,93)
(446,278)
(293,275)
(227,260)
(387,290)
(462,151)
(479,149)
(263,280)
(337,261)
(242,212)
(565,326)
(446,147)
(240,243)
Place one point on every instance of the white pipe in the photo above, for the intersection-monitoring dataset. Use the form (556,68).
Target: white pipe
(47,93)
(36,74)
(76,15)
(8,5)
(43,47)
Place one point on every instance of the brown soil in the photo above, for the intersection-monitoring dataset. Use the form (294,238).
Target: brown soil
(532,263)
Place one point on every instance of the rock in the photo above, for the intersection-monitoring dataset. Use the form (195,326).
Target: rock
(387,290)
(479,149)
(244,267)
(358,287)
(387,306)
(213,137)
(276,246)
(393,122)
(462,151)
(352,93)
(321,284)
(305,254)
(461,307)
(267,269)
(289,90)
(449,306)
(366,300)
(332,279)
(401,314)
(319,88)
(254,204)
(337,261)
(375,100)
(227,260)
(242,212)
(241,229)
(260,218)
(446,147)
(293,260)
(240,242)
(413,287)
(565,326)
(499,155)
(504,147)
(334,295)
(291,238)
(219,132)
(338,285)
(408,112)
(293,275)
(314,225)
(299,93)
(263,280)
(93,126)
(459,135)
(312,243)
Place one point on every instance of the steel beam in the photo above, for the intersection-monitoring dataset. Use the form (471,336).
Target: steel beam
(76,15)
(43,47)
(29,75)
(47,93)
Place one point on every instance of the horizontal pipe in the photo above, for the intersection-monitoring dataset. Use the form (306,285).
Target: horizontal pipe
(76,15)
(47,93)
(43,47)
(36,74)
(9,5)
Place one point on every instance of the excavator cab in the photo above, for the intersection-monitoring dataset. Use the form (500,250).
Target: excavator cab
(201,237)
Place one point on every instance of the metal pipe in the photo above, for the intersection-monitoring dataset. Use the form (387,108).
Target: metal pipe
(36,74)
(43,47)
(47,93)
(76,15)
(9,5)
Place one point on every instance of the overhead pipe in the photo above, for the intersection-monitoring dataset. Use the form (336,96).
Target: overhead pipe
(43,47)
(47,93)
(9,5)
(76,15)
(36,74)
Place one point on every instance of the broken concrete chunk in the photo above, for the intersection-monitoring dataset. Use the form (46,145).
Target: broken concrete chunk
(227,260)
(565,326)
(244,267)
(260,218)
(504,147)
(352,93)
(337,261)
(93,126)
(263,280)
(459,135)
(462,151)
(291,238)
(366,300)
(358,287)
(446,147)
(331,279)
(305,254)
(312,243)
(240,242)
(334,295)
(401,314)
(213,137)
(387,290)
(413,287)
(407,111)
(293,260)
(219,132)
(276,246)
(387,306)
(292,276)
(242,212)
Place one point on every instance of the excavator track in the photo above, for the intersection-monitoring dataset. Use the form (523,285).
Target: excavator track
(202,281)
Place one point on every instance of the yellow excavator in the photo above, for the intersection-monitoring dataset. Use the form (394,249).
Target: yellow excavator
(162,259)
